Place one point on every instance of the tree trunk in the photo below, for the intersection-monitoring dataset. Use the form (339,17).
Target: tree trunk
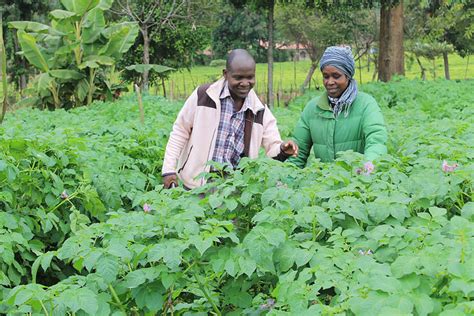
(23,79)
(3,71)
(163,85)
(467,67)
(423,70)
(391,52)
(271,8)
(446,66)
(309,76)
(146,57)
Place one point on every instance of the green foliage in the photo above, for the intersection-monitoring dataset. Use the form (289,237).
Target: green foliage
(49,180)
(3,71)
(269,239)
(431,51)
(218,63)
(312,29)
(177,32)
(26,10)
(159,70)
(442,22)
(242,27)
(74,53)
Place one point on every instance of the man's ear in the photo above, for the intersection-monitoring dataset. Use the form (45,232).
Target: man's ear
(224,73)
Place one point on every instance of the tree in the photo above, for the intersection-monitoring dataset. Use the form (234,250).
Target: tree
(447,24)
(461,32)
(239,27)
(270,5)
(21,10)
(391,51)
(313,29)
(74,53)
(175,47)
(435,28)
(152,16)
(267,6)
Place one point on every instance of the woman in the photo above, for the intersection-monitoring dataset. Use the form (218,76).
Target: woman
(343,118)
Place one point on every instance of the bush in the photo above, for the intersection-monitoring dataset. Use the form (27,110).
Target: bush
(217,63)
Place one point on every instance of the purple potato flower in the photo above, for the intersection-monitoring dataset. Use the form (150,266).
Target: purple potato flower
(147,208)
(368,168)
(268,305)
(448,168)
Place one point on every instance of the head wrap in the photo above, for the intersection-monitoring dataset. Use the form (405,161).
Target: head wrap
(341,58)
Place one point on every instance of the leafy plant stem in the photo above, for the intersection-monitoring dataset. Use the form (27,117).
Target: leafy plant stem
(55,93)
(44,308)
(77,50)
(204,291)
(189,267)
(73,195)
(91,85)
(116,298)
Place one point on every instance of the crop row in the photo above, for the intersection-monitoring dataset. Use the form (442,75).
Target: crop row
(86,228)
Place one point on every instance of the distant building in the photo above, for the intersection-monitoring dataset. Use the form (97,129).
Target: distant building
(295,50)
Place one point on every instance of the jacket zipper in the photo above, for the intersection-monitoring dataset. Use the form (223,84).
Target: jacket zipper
(186,161)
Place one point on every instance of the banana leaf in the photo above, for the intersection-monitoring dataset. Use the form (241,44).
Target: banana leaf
(62,14)
(93,25)
(95,61)
(120,42)
(31,51)
(66,74)
(79,6)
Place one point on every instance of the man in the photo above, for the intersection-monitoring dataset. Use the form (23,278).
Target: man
(222,122)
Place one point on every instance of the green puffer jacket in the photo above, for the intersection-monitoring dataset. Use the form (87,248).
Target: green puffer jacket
(363,130)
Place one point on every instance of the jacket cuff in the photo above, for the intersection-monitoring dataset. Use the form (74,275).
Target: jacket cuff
(281,156)
(168,174)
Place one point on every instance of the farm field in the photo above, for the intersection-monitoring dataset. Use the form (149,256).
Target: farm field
(86,229)
(289,76)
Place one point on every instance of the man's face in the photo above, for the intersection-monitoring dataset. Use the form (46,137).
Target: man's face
(240,79)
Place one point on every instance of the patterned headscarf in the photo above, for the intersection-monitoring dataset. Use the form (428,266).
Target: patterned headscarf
(341,58)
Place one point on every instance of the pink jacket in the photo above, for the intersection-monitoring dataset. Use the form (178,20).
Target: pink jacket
(192,140)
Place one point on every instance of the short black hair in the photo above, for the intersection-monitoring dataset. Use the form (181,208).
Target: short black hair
(240,54)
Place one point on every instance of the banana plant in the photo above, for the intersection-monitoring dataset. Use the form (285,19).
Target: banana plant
(70,52)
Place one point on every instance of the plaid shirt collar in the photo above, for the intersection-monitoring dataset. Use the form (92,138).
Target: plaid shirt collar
(225,93)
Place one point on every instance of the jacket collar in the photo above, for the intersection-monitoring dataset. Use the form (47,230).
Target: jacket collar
(323,102)
(214,92)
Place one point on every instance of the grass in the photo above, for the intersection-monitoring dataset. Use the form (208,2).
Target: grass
(289,76)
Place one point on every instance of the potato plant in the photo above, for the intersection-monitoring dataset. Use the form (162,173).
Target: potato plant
(86,228)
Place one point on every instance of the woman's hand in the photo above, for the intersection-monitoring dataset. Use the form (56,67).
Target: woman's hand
(290,148)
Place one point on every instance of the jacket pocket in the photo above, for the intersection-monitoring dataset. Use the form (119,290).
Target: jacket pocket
(186,161)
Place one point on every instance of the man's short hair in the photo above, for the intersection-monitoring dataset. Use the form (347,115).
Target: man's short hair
(240,54)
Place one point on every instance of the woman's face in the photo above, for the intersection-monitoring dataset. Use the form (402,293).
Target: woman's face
(335,81)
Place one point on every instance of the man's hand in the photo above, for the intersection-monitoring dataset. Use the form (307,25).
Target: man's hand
(290,148)
(170,181)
